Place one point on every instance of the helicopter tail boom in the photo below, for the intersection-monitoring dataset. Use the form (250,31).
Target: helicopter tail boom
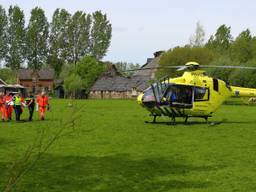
(243,92)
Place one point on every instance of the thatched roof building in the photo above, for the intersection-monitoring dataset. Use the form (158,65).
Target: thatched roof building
(112,84)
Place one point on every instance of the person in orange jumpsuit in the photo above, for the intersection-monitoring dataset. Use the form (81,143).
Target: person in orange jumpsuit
(43,104)
(8,106)
(2,105)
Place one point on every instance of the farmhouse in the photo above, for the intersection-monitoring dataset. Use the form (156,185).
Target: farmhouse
(113,85)
(36,81)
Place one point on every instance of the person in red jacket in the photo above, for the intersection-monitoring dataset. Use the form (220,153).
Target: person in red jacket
(2,105)
(8,106)
(43,104)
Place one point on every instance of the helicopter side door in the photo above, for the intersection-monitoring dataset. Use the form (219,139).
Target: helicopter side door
(201,98)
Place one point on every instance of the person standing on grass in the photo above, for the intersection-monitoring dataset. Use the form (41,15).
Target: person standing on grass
(2,105)
(30,103)
(8,106)
(17,99)
(43,104)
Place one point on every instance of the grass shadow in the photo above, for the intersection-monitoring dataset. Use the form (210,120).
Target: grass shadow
(111,173)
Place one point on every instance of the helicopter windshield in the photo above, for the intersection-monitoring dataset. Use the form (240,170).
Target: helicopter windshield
(155,92)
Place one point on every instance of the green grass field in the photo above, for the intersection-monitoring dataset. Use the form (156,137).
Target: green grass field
(111,149)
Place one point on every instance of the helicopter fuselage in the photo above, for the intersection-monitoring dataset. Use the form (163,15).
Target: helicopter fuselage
(194,94)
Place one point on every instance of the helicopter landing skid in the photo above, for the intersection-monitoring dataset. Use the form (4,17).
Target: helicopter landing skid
(204,117)
(154,119)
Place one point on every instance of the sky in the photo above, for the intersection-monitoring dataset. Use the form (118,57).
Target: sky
(141,27)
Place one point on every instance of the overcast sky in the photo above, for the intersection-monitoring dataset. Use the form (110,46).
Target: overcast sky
(141,27)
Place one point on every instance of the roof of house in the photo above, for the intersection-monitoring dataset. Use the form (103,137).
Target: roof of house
(117,83)
(43,74)
(149,68)
(112,80)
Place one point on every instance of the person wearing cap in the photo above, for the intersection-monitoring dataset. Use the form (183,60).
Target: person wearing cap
(2,106)
(8,106)
(43,104)
(17,99)
(30,103)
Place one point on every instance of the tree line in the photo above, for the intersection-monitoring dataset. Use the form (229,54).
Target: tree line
(64,40)
(220,49)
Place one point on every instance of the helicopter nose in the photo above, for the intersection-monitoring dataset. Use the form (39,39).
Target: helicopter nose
(139,99)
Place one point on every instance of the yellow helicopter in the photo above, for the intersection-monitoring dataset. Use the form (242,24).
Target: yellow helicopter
(194,94)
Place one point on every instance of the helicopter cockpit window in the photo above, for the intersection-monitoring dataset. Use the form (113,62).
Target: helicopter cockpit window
(179,94)
(201,94)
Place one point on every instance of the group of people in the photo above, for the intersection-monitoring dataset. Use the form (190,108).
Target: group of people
(14,101)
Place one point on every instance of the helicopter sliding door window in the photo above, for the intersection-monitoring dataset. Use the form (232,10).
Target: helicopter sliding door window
(215,85)
(201,94)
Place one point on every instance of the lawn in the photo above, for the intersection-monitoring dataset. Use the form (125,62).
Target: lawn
(111,149)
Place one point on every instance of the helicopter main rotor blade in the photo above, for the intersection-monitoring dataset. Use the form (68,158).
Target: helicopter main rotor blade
(183,67)
(150,68)
(227,67)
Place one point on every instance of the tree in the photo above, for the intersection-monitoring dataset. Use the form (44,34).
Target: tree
(8,75)
(73,84)
(16,38)
(181,55)
(88,68)
(124,66)
(36,39)
(221,41)
(79,36)
(242,47)
(58,40)
(3,38)
(197,40)
(100,35)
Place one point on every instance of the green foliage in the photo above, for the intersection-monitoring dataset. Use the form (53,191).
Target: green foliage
(8,75)
(100,35)
(58,40)
(3,33)
(16,38)
(124,68)
(245,78)
(221,41)
(73,83)
(181,55)
(36,39)
(88,68)
(241,48)
(223,74)
(79,36)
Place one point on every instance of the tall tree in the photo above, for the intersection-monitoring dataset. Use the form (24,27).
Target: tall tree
(58,40)
(197,40)
(100,35)
(16,38)
(221,41)
(242,47)
(36,39)
(3,28)
(79,36)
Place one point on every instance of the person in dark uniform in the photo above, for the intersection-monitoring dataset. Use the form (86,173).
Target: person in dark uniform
(30,102)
